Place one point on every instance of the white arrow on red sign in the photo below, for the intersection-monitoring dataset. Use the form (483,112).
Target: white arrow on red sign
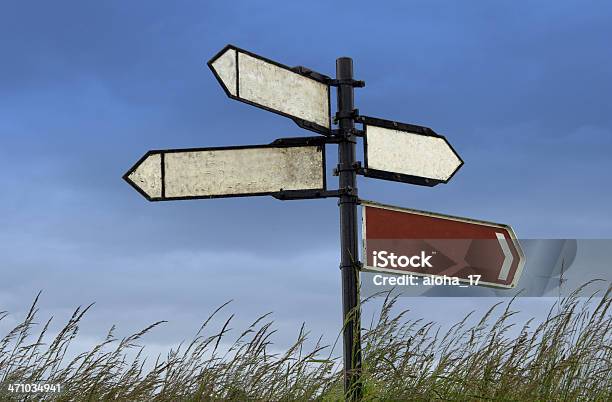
(426,243)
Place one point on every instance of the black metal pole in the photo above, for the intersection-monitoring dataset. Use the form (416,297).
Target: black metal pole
(348,229)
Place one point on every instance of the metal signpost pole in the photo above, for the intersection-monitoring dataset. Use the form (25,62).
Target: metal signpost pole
(347,171)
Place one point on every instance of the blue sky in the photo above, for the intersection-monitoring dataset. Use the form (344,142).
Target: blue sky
(521,90)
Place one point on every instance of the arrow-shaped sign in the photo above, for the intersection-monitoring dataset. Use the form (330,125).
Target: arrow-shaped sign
(299,94)
(435,244)
(272,169)
(407,153)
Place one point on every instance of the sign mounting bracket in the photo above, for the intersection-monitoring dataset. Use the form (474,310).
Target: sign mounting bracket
(349,81)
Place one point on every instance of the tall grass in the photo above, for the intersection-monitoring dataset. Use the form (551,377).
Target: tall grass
(566,357)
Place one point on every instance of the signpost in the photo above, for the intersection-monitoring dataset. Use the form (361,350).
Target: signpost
(470,250)
(349,249)
(294,168)
(407,153)
(273,169)
(297,93)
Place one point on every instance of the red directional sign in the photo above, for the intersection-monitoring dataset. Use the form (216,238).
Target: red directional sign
(405,241)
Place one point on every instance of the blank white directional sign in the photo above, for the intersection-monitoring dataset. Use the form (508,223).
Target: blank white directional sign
(228,171)
(267,84)
(407,153)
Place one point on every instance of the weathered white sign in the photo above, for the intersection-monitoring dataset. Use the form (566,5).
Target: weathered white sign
(267,84)
(228,171)
(407,153)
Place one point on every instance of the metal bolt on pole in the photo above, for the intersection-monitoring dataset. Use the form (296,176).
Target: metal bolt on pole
(348,229)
